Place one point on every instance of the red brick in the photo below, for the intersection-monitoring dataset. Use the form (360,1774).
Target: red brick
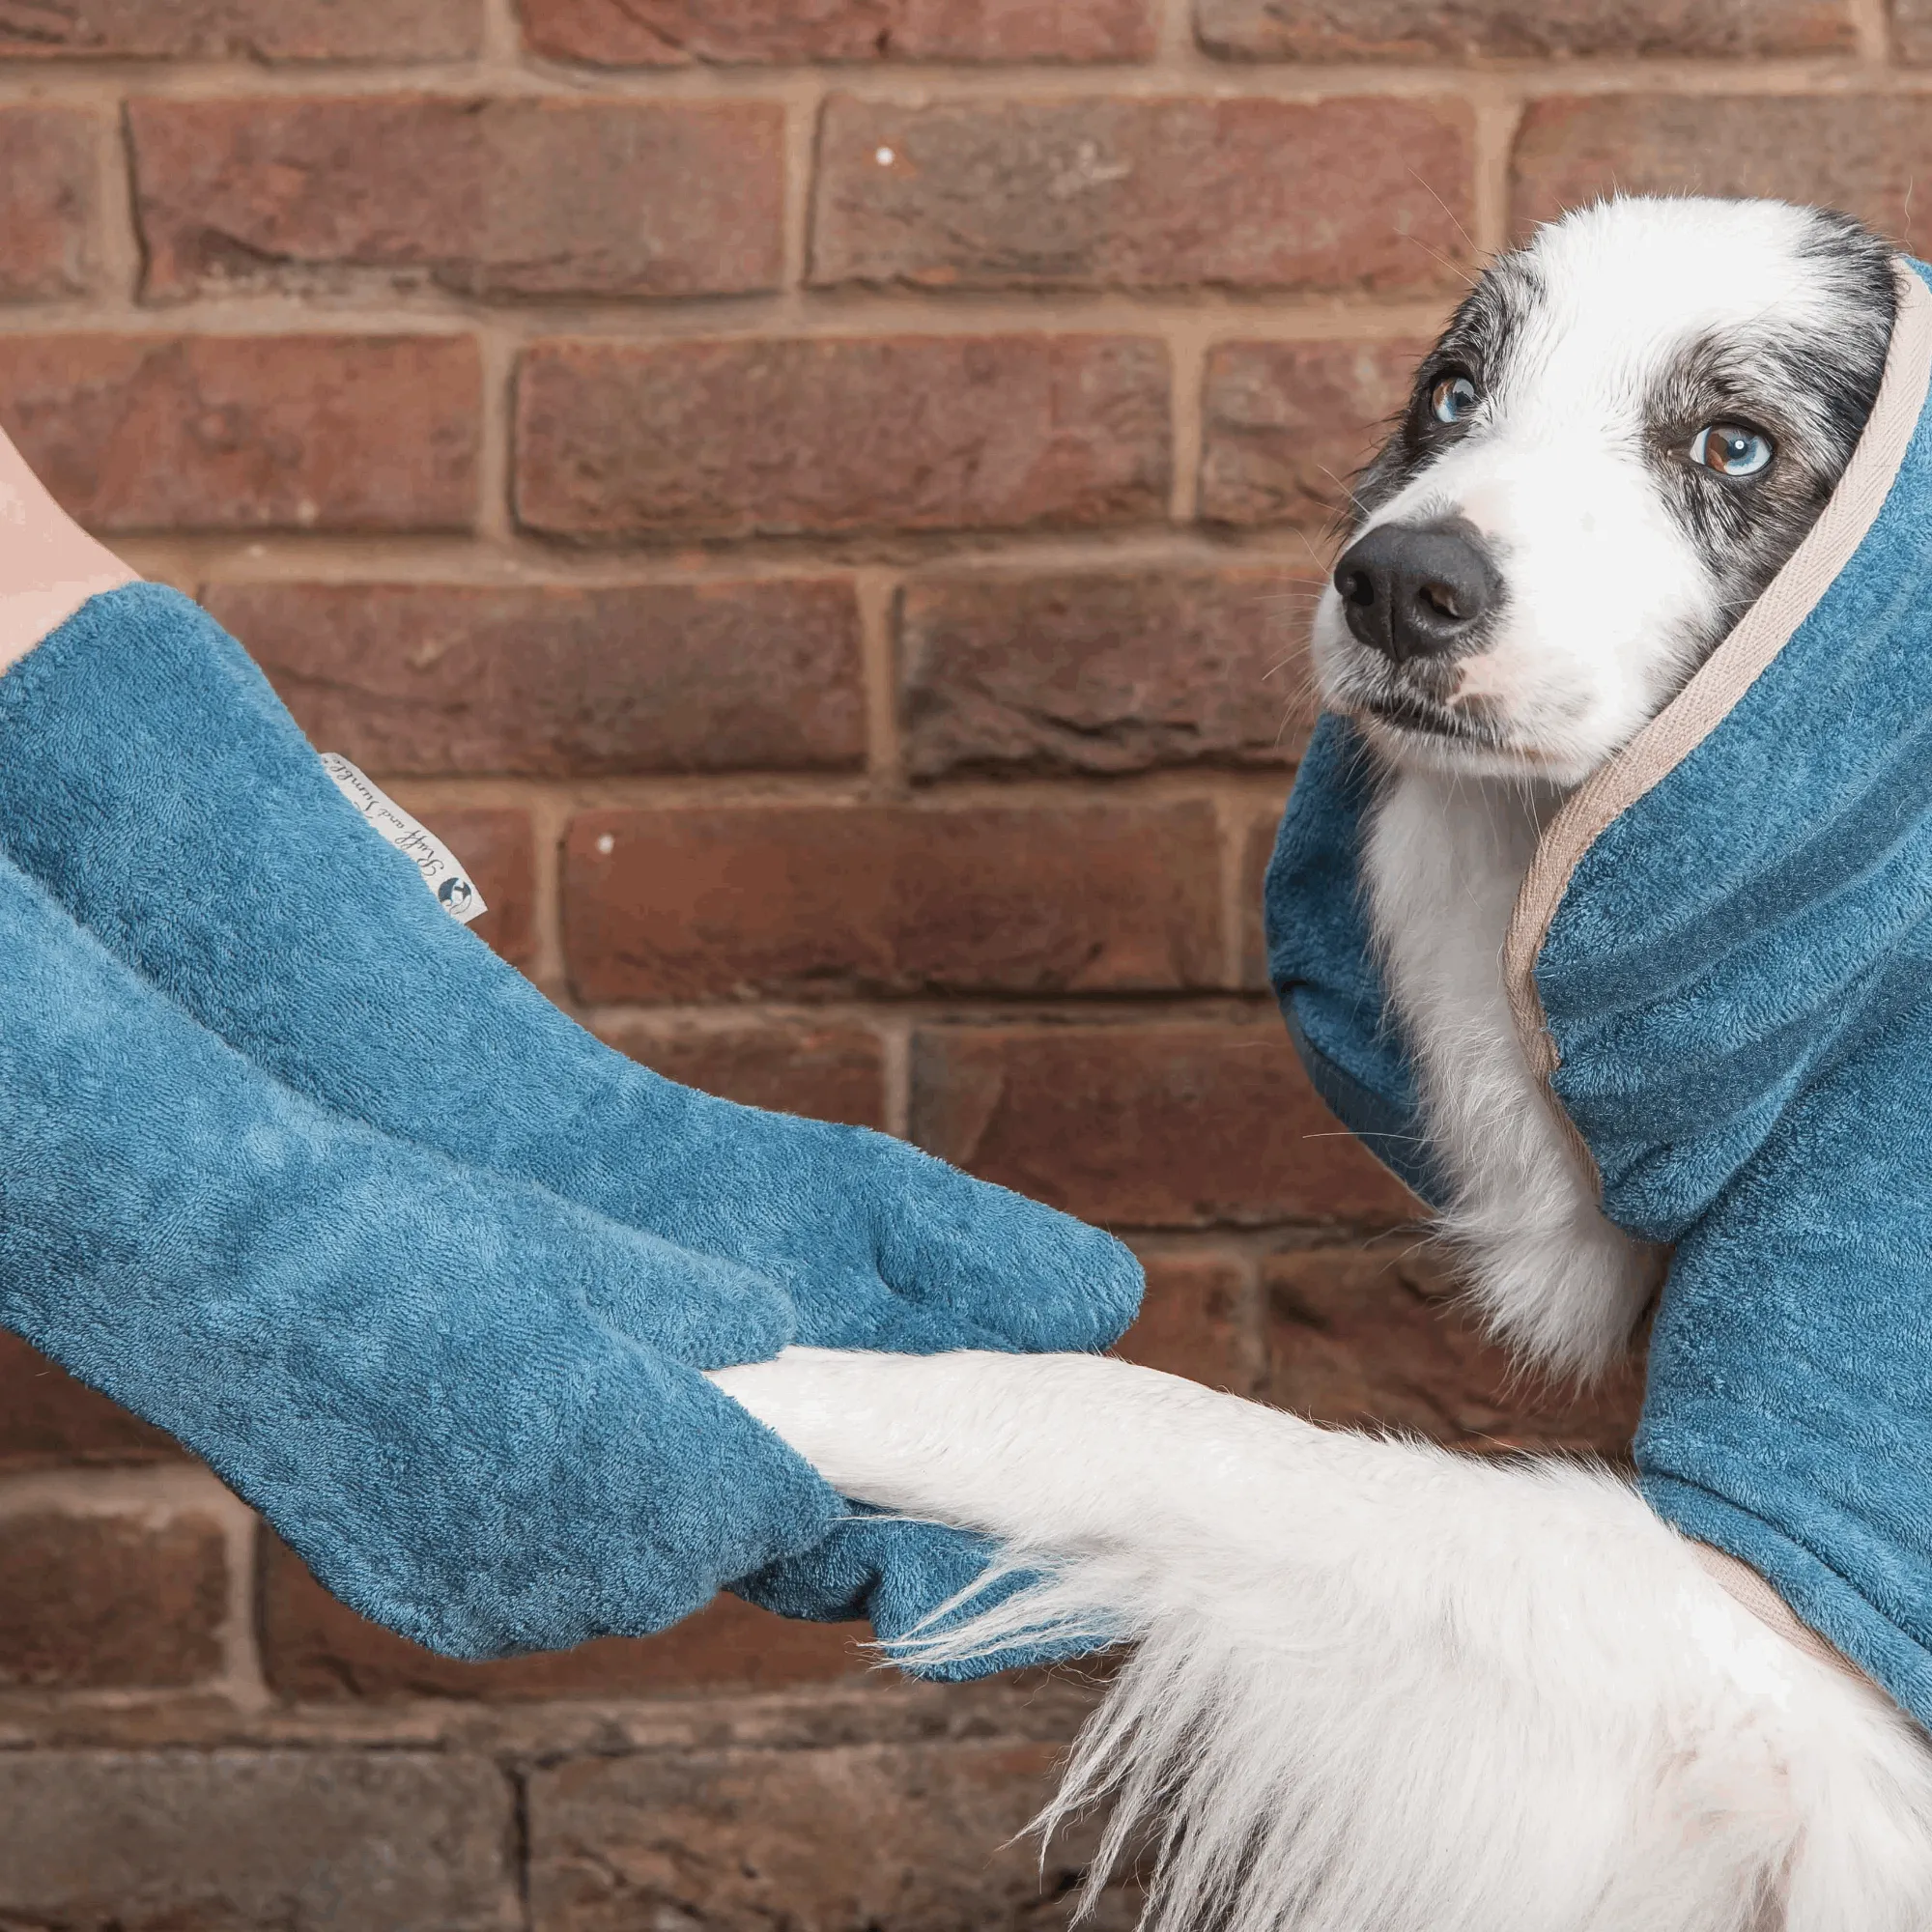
(1254,856)
(1111,672)
(813,901)
(1136,193)
(1911,29)
(1319,30)
(218,1840)
(914,433)
(47,1417)
(266,30)
(99,1602)
(1196,1322)
(316,1650)
(484,197)
(1285,424)
(498,848)
(1862,153)
(671,33)
(48,168)
(1183,1124)
(922,1838)
(257,431)
(441,679)
(830,1073)
(1372,1338)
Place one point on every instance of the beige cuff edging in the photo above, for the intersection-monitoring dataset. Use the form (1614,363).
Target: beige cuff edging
(1721,681)
(1744,1586)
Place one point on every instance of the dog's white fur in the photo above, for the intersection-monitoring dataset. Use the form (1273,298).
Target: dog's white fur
(1377,1686)
(1444,860)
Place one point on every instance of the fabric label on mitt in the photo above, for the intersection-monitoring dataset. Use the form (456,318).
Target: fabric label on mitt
(454,889)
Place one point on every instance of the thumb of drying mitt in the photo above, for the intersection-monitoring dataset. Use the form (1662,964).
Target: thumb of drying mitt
(470,1407)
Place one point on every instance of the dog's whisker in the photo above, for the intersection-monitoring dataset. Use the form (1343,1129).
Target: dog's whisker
(1428,188)
(1462,271)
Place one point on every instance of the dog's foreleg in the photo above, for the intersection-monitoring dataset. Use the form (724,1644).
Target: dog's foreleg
(1081,1456)
(1070,1451)
(1379,1683)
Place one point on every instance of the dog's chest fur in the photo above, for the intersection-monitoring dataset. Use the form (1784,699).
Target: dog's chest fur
(1444,860)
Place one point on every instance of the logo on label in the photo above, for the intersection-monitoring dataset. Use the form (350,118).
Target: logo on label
(455,891)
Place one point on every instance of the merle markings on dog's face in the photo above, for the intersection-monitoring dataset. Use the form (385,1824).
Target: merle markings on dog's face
(1625,431)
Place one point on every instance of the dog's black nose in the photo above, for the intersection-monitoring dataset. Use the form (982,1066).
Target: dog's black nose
(1417,590)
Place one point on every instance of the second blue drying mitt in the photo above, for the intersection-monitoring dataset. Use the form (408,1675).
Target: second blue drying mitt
(470,1407)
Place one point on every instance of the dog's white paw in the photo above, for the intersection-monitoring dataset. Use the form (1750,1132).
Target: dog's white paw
(809,1397)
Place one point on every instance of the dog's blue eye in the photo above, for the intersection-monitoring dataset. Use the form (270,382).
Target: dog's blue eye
(1452,398)
(1731,449)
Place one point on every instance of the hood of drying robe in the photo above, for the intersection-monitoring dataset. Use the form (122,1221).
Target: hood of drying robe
(1720,962)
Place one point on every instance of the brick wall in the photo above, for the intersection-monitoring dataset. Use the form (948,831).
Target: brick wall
(817,500)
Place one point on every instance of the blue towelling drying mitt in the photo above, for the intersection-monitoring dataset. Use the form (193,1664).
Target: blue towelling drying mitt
(473,1408)
(154,784)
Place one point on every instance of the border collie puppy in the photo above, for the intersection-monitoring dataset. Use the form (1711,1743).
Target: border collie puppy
(1377,1686)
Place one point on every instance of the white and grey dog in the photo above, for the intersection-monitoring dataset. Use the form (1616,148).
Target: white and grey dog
(1377,1686)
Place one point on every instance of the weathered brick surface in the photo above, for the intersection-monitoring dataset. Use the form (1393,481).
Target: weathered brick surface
(485,197)
(326,1841)
(1337,195)
(1194,1322)
(818,1840)
(826,900)
(1101,672)
(498,848)
(48,172)
(1176,1124)
(1862,153)
(434,680)
(256,432)
(315,1649)
(830,1073)
(47,1417)
(911,433)
(1285,425)
(269,30)
(1372,1338)
(1911,28)
(671,33)
(1321,29)
(98,1603)
(1254,856)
